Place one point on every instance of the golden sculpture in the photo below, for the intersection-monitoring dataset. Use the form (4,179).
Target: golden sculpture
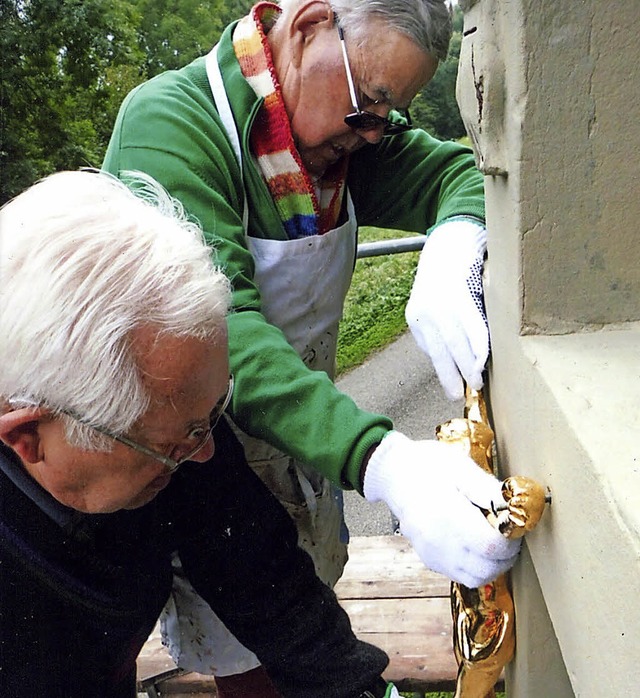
(483,618)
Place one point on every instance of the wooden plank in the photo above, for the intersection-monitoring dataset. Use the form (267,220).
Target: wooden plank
(387,567)
(415,633)
(154,658)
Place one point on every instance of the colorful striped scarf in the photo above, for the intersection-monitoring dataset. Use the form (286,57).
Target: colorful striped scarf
(303,211)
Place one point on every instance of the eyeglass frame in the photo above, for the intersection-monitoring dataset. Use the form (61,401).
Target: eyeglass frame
(171,464)
(372,120)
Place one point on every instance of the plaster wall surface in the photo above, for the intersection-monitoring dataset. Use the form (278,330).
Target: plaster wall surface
(555,423)
(546,90)
(580,172)
(537,668)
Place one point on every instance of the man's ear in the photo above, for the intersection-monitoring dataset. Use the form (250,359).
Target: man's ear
(307,20)
(19,431)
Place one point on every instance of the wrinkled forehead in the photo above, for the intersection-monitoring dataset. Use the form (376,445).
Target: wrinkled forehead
(390,63)
(172,368)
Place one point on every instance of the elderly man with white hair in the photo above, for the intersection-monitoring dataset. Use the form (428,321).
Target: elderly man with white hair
(113,374)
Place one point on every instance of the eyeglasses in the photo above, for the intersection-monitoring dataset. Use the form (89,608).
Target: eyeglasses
(171,464)
(362,120)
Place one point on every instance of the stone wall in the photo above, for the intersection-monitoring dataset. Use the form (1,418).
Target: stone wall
(550,94)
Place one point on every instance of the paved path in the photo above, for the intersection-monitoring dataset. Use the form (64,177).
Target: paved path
(400,382)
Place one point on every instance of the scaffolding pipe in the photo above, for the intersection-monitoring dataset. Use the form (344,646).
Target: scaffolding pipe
(381,247)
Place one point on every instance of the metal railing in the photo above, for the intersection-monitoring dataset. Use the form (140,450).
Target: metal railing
(381,247)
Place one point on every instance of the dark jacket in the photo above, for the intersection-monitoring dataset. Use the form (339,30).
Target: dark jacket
(80,594)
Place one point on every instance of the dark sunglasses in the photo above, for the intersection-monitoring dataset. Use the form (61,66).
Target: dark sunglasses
(362,120)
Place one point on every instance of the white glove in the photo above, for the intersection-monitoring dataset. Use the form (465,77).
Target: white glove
(445,311)
(432,489)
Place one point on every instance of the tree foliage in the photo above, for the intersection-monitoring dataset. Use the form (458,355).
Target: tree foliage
(54,93)
(435,108)
(68,64)
(171,33)
(174,32)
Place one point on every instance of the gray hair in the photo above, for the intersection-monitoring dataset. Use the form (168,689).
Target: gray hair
(426,22)
(84,262)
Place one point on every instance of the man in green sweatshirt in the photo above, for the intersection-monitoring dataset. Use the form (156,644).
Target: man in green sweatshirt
(290,134)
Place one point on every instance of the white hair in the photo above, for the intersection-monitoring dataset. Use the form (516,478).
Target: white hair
(426,22)
(85,261)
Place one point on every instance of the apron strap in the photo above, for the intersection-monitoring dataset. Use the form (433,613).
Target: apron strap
(226,116)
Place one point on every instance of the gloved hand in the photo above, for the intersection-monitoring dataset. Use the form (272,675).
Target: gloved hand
(432,489)
(445,311)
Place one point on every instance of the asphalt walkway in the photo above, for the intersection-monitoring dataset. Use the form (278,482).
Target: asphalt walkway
(400,382)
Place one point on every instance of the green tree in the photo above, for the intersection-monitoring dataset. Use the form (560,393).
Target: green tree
(54,92)
(68,64)
(435,108)
(235,9)
(172,33)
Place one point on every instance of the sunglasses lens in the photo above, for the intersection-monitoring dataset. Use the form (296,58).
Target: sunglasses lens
(364,121)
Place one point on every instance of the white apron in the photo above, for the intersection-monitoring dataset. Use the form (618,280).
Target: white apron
(303,284)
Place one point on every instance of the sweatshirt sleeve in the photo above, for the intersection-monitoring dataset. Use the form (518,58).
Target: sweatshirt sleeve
(239,550)
(413,181)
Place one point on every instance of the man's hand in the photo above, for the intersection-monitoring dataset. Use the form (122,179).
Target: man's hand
(433,490)
(445,311)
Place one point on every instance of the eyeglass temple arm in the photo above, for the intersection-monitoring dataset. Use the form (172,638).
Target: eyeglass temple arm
(170,464)
(352,88)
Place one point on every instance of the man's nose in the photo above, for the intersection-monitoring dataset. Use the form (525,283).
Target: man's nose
(372,135)
(206,452)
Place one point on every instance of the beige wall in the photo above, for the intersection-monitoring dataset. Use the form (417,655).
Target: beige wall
(550,93)
(581,141)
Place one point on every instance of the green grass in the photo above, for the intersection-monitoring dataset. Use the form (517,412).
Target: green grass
(374,309)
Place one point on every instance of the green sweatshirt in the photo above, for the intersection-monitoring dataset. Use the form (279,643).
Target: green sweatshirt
(169,128)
